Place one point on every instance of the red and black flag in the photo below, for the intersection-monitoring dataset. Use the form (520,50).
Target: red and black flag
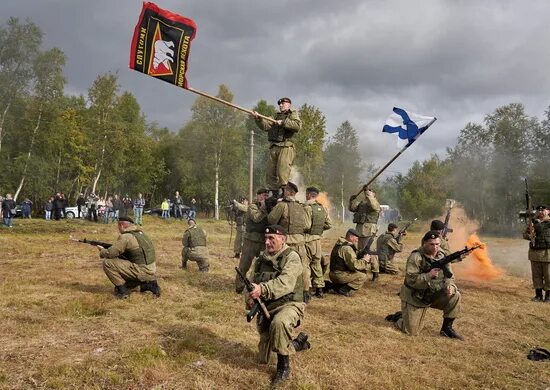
(161,44)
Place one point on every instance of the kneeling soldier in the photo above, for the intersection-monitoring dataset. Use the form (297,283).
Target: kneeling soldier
(277,280)
(424,289)
(347,272)
(130,261)
(194,246)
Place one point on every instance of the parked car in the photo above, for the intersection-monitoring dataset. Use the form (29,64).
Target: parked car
(71,212)
(158,211)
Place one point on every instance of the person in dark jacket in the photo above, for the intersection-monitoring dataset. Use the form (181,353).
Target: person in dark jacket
(26,208)
(8,210)
(58,205)
(80,204)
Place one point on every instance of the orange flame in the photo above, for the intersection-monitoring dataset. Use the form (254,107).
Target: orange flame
(323,199)
(481,269)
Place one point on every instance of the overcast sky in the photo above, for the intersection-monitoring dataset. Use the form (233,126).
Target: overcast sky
(353,59)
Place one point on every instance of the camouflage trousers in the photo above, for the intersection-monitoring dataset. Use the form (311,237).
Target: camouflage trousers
(239,239)
(353,280)
(120,271)
(387,265)
(276,335)
(250,250)
(300,248)
(198,254)
(412,320)
(279,165)
(314,253)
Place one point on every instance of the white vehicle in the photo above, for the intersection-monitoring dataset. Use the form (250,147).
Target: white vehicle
(71,212)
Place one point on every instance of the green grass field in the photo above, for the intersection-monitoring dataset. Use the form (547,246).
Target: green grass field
(63,329)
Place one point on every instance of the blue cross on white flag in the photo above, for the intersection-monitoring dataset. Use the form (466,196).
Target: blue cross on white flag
(408,125)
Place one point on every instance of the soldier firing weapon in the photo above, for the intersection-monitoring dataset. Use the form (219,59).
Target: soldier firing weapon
(453,257)
(404,229)
(105,245)
(259,305)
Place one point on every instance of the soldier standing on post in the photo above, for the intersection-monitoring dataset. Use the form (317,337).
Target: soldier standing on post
(254,240)
(130,261)
(240,217)
(277,280)
(366,211)
(281,151)
(539,255)
(194,247)
(387,246)
(320,221)
(295,217)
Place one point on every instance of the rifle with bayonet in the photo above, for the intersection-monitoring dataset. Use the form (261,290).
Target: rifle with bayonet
(403,230)
(259,305)
(93,243)
(443,263)
(529,215)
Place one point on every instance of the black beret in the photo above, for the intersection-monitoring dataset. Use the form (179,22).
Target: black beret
(353,232)
(437,225)
(284,100)
(262,191)
(125,219)
(312,189)
(431,235)
(392,226)
(275,229)
(541,207)
(292,186)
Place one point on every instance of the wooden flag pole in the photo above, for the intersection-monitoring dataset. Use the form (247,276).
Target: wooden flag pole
(229,104)
(392,160)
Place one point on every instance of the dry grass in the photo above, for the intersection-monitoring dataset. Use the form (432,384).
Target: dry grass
(62,328)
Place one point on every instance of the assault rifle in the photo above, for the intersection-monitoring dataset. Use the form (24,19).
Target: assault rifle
(366,250)
(446,228)
(443,263)
(529,214)
(93,243)
(259,303)
(404,229)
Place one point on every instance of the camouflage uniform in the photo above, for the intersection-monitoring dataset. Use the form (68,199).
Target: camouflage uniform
(280,279)
(320,221)
(194,248)
(295,217)
(240,217)
(254,240)
(387,246)
(138,263)
(420,292)
(281,151)
(345,267)
(366,212)
(539,255)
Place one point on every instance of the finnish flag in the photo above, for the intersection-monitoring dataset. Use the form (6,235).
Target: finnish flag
(407,125)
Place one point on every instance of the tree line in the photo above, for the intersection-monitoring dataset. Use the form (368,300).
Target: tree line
(102,142)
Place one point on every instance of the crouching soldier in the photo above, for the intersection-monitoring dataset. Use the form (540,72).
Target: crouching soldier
(424,289)
(277,280)
(130,261)
(194,247)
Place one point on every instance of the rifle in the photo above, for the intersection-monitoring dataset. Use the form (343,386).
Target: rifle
(92,242)
(404,229)
(446,228)
(529,214)
(259,303)
(366,250)
(443,263)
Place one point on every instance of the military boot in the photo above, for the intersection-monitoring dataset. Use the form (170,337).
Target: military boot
(283,370)
(374,276)
(150,286)
(394,317)
(307,297)
(448,331)
(344,290)
(547,296)
(184,265)
(538,295)
(300,343)
(121,292)
(319,292)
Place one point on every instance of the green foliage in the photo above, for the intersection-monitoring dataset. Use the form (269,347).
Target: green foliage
(309,143)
